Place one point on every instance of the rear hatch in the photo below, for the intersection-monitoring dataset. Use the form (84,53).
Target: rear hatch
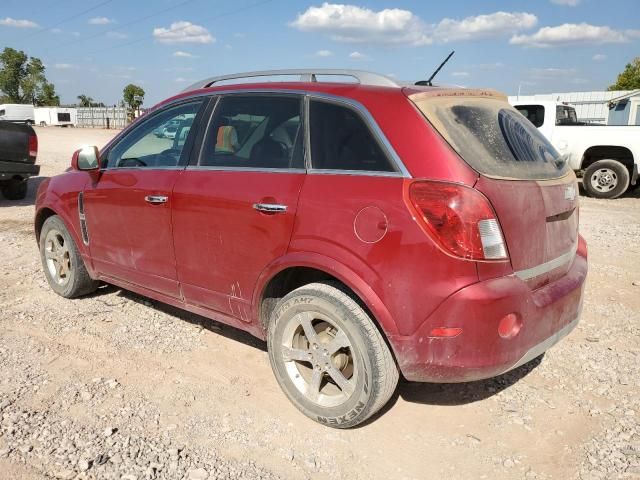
(17,141)
(529,184)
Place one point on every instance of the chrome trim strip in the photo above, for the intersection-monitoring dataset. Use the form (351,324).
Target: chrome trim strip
(364,173)
(548,266)
(245,169)
(545,345)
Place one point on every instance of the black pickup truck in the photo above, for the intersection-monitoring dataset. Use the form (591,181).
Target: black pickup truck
(18,151)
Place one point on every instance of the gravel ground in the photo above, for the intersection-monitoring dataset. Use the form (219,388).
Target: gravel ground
(117,386)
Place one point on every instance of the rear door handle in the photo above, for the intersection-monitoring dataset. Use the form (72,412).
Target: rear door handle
(156,199)
(270,207)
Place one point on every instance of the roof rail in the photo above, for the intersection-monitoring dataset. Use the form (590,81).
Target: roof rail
(306,75)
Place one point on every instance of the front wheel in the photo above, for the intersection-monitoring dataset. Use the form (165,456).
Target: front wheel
(328,356)
(606,179)
(62,263)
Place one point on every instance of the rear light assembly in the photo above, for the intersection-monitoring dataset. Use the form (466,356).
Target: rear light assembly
(33,146)
(459,219)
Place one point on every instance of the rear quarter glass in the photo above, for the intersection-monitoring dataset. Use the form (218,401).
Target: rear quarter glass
(493,137)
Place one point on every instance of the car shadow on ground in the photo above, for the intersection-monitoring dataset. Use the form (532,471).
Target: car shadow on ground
(30,199)
(218,328)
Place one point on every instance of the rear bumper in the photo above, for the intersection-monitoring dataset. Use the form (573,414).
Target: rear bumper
(547,315)
(11,169)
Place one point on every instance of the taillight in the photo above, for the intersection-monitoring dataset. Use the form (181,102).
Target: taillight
(460,219)
(33,146)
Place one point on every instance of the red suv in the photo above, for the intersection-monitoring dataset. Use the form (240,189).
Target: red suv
(363,228)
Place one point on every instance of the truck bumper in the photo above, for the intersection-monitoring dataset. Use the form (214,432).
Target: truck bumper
(9,170)
(478,350)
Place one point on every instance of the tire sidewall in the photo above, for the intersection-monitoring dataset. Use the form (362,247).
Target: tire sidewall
(619,168)
(54,222)
(358,406)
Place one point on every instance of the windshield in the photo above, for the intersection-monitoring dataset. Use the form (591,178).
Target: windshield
(493,138)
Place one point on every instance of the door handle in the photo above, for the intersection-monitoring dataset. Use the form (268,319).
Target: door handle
(270,207)
(156,199)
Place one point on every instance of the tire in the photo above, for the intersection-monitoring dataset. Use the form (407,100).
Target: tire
(606,179)
(349,348)
(15,189)
(58,248)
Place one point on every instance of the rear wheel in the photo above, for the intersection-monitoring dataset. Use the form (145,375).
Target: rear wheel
(15,189)
(606,179)
(62,263)
(328,356)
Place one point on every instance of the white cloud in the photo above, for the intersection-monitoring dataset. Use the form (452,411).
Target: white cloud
(324,53)
(56,30)
(239,35)
(100,21)
(568,3)
(182,54)
(117,35)
(484,26)
(63,66)
(551,72)
(459,74)
(12,22)
(352,24)
(599,57)
(572,34)
(183,32)
(358,56)
(181,80)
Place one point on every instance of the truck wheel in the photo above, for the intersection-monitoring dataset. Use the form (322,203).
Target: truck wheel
(15,189)
(606,179)
(328,356)
(62,263)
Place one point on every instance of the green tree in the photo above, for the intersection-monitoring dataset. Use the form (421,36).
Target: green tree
(85,101)
(22,79)
(133,96)
(629,79)
(47,96)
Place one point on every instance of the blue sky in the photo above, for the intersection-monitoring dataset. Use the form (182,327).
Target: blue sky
(96,47)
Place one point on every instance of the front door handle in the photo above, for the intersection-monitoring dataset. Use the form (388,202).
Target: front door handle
(156,199)
(270,207)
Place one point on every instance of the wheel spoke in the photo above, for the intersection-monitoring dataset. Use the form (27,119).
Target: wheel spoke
(305,320)
(340,341)
(345,385)
(50,255)
(295,354)
(313,392)
(59,242)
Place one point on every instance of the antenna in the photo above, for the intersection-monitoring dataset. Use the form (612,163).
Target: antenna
(428,82)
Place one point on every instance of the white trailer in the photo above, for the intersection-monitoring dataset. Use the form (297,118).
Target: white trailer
(56,116)
(13,112)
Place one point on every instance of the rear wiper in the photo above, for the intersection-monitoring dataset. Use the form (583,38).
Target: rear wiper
(427,83)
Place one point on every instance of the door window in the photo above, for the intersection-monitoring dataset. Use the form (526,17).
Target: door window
(255,131)
(340,140)
(534,113)
(158,142)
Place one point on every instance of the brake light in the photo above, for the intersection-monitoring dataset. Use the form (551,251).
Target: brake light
(33,146)
(460,220)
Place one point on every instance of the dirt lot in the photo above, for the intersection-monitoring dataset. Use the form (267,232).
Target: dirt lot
(116,386)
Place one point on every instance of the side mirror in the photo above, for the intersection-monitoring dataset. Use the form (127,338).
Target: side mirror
(85,159)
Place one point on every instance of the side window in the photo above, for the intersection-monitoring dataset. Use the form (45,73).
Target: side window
(340,140)
(255,131)
(534,113)
(158,142)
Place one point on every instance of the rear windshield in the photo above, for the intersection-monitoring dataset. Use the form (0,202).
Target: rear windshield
(494,138)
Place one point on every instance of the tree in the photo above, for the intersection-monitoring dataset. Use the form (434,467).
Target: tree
(629,79)
(22,79)
(133,96)
(85,101)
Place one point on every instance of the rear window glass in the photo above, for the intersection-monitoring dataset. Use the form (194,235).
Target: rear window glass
(534,113)
(493,138)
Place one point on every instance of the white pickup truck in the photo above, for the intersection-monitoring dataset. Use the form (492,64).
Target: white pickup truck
(608,156)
